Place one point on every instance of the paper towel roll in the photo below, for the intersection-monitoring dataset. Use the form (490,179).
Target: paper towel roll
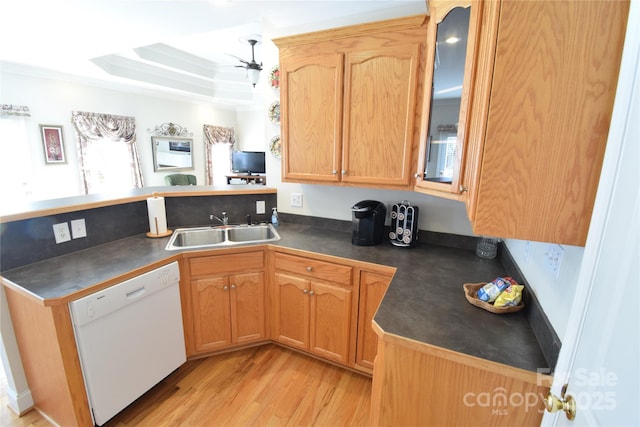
(157,215)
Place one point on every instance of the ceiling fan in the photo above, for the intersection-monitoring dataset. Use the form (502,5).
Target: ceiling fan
(252,67)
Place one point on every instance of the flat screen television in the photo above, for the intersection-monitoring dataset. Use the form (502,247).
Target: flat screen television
(248,162)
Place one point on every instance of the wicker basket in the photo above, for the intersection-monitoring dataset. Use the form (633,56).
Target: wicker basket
(471,293)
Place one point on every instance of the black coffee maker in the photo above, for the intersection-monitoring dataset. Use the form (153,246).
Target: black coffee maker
(368,222)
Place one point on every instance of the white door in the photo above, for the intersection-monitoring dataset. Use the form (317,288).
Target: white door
(600,357)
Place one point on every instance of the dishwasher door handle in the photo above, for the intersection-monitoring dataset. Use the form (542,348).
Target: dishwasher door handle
(136,294)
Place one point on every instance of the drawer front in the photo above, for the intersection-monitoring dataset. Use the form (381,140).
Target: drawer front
(314,268)
(217,264)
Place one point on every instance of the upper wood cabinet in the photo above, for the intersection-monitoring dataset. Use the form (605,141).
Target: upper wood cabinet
(540,113)
(350,103)
(452,30)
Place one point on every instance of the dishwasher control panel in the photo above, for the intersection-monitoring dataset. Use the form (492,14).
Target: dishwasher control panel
(101,303)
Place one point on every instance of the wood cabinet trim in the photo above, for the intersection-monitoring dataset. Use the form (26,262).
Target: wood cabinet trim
(333,34)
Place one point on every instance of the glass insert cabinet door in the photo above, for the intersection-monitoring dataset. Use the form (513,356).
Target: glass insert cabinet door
(443,133)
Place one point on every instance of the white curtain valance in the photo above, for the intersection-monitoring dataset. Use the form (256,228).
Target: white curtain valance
(14,110)
(219,135)
(98,125)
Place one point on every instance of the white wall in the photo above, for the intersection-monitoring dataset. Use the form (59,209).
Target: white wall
(51,102)
(555,293)
(250,130)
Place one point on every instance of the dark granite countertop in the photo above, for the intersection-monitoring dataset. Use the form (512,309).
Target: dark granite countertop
(425,301)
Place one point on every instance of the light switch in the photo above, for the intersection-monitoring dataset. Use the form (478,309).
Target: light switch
(61,232)
(78,228)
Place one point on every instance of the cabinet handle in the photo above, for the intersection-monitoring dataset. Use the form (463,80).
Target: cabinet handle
(311,293)
(309,268)
(225,288)
(304,291)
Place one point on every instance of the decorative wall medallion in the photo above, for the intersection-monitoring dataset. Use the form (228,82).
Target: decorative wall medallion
(170,129)
(274,78)
(274,112)
(274,146)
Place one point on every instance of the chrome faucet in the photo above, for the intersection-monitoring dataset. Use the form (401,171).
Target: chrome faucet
(224,220)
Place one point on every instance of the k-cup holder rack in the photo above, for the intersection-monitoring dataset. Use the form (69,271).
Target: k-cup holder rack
(404,224)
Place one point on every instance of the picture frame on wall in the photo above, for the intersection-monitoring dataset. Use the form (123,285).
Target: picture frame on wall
(53,144)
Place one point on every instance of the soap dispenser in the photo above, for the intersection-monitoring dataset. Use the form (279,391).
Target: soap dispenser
(274,217)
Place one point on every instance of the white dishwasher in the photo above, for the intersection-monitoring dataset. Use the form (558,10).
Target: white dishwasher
(129,338)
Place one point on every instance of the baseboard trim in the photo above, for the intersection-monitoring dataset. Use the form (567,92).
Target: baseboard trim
(20,403)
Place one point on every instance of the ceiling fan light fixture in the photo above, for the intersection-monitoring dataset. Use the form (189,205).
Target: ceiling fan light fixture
(253,75)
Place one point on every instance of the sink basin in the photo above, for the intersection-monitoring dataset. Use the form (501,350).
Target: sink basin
(226,235)
(251,234)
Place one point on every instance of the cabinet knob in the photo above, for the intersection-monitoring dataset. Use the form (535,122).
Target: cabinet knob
(334,172)
(304,291)
(344,171)
(463,188)
(233,286)
(225,288)
(416,175)
(311,293)
(309,268)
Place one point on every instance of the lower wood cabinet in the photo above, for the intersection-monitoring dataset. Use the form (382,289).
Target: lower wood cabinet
(416,384)
(226,308)
(372,289)
(310,313)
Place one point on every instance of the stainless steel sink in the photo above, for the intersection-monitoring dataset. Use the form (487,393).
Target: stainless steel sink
(225,235)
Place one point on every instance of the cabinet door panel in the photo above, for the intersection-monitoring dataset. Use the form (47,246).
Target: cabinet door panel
(552,91)
(372,289)
(311,107)
(211,317)
(247,307)
(330,321)
(291,310)
(380,105)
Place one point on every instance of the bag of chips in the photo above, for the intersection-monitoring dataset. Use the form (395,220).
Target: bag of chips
(490,291)
(510,297)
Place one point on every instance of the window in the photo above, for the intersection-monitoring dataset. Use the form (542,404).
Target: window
(108,166)
(15,160)
(107,153)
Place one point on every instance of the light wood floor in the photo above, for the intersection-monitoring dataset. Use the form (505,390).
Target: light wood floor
(262,386)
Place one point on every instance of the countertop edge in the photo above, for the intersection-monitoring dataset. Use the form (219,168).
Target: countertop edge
(92,201)
(498,368)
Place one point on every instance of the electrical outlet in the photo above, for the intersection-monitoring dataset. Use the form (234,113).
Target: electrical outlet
(260,208)
(78,228)
(61,232)
(296,200)
(553,254)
